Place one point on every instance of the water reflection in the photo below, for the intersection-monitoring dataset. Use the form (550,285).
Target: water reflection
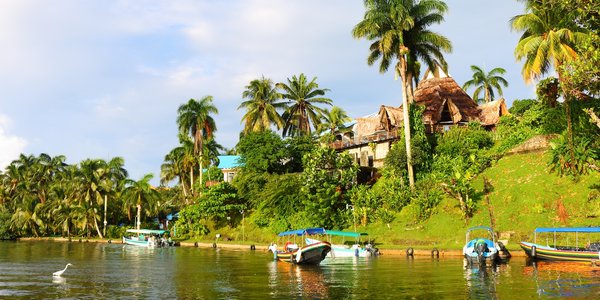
(563,279)
(481,282)
(306,281)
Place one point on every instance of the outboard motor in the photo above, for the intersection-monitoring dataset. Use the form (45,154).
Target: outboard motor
(374,251)
(480,248)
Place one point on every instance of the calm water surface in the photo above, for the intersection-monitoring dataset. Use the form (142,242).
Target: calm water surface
(117,271)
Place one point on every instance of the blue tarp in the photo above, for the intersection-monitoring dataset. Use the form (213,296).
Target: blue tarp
(569,229)
(300,232)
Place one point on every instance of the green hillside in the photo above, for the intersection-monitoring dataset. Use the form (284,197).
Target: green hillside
(525,196)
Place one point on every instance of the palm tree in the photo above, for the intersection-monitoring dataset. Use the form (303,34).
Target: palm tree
(112,175)
(261,106)
(88,190)
(486,83)
(140,192)
(195,118)
(423,44)
(302,111)
(334,120)
(211,152)
(398,29)
(548,40)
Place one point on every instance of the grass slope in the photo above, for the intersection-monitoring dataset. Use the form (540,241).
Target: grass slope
(525,196)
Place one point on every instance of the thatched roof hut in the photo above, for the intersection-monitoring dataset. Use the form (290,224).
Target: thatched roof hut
(492,111)
(366,126)
(444,100)
(390,117)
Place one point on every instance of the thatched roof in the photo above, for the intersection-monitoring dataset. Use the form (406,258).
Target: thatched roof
(492,111)
(366,126)
(439,93)
(390,117)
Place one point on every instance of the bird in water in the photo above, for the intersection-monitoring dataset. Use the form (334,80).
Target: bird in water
(58,273)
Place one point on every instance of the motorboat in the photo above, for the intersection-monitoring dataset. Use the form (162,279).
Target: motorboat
(483,249)
(583,249)
(147,238)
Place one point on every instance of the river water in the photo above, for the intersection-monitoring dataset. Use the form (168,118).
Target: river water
(104,271)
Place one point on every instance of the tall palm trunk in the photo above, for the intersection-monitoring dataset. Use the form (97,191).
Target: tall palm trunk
(185,196)
(97,227)
(403,78)
(139,215)
(567,97)
(191,180)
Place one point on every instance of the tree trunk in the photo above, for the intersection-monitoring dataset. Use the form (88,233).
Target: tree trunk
(405,109)
(105,205)
(201,175)
(97,227)
(192,180)
(567,97)
(185,196)
(139,214)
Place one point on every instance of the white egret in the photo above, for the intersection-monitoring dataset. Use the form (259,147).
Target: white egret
(58,273)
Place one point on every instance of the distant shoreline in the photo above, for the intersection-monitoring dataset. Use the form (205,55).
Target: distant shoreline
(386,252)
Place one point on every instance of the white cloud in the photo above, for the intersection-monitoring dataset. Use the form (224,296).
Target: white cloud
(10,146)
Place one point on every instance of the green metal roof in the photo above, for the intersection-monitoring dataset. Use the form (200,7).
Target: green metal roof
(345,233)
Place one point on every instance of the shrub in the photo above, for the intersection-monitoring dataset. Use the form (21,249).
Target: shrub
(426,197)
(5,232)
(115,232)
(519,107)
(585,155)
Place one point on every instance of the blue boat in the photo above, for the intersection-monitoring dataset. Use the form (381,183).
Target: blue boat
(482,250)
(148,238)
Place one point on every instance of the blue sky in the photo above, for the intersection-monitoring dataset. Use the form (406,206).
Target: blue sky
(99,79)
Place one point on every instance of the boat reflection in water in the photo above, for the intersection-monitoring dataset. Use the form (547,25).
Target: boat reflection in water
(563,279)
(306,281)
(482,280)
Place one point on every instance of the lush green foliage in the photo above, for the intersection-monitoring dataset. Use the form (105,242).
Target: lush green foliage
(327,175)
(266,158)
(519,107)
(213,173)
(421,151)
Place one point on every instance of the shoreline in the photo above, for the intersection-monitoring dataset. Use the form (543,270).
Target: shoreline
(252,247)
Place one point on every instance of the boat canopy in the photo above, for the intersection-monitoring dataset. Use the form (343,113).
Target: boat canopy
(480,227)
(568,229)
(301,232)
(147,231)
(345,233)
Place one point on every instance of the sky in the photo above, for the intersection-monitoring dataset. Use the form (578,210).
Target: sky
(100,79)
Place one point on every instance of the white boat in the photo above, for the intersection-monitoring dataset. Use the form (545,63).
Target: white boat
(147,238)
(342,250)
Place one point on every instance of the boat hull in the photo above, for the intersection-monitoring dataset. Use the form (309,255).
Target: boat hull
(489,253)
(340,251)
(135,242)
(549,253)
(310,255)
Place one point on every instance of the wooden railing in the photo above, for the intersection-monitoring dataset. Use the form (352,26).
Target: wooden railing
(363,140)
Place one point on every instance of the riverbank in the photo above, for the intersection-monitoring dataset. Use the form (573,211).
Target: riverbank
(258,247)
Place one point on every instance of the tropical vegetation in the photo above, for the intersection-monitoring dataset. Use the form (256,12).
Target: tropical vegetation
(289,176)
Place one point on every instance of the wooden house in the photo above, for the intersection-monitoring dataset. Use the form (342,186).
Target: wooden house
(446,105)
